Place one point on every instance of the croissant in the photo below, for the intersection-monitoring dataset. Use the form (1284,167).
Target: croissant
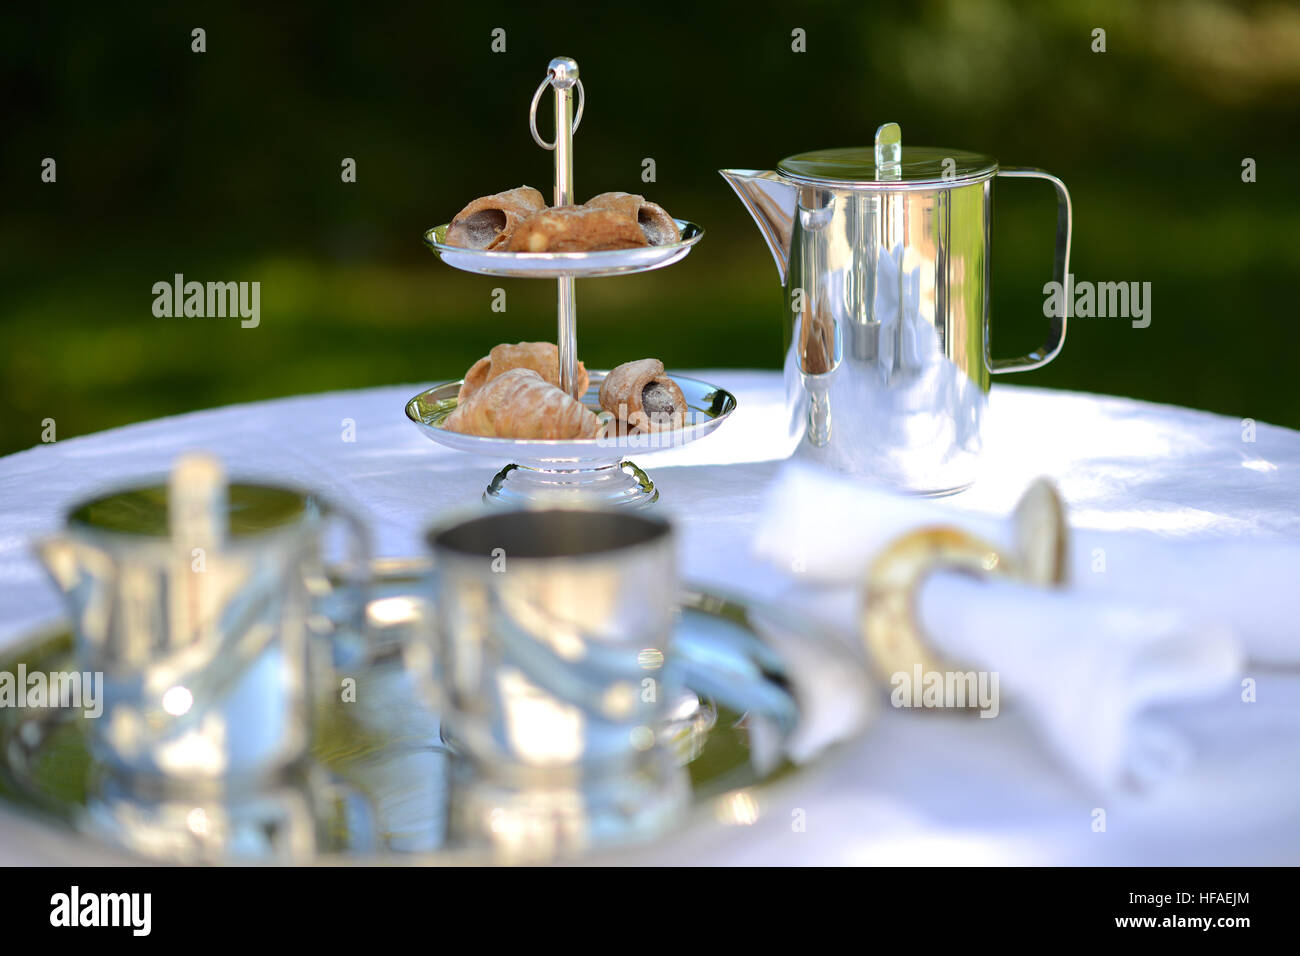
(578,229)
(640,394)
(658,227)
(522,404)
(542,357)
(490,221)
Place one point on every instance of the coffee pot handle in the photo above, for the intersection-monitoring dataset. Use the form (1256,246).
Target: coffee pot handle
(341,587)
(1061,270)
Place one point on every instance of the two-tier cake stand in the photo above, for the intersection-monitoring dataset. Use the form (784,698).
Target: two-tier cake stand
(596,470)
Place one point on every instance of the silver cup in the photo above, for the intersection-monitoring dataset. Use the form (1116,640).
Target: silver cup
(552,631)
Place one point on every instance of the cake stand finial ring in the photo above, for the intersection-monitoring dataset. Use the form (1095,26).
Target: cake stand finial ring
(562,75)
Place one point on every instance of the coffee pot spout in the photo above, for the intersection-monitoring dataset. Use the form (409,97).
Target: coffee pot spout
(771,200)
(78,571)
(59,556)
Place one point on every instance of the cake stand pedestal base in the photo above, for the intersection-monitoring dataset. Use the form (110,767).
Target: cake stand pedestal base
(618,484)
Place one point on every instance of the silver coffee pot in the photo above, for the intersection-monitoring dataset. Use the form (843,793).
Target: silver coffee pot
(199,602)
(884,255)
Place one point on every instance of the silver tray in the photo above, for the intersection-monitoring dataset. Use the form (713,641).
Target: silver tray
(765,697)
(594,469)
(559,265)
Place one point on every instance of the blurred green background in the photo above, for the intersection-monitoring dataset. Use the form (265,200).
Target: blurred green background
(225,166)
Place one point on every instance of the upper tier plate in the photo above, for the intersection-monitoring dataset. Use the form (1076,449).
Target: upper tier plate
(557,265)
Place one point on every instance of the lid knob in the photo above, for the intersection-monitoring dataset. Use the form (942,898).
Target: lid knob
(889,152)
(198,506)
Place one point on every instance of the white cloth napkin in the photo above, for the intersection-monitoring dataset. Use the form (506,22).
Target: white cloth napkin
(830,527)
(1101,665)
(1100,677)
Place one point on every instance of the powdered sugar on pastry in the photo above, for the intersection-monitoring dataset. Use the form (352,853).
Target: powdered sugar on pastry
(577,229)
(641,395)
(522,404)
(542,357)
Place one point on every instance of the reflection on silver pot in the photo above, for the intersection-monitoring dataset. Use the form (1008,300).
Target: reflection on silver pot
(884,255)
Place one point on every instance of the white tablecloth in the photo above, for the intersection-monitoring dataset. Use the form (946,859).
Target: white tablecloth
(918,788)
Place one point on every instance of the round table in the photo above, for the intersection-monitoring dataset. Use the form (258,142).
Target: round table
(913,789)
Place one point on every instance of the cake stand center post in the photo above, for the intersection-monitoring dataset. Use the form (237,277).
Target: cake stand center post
(563,73)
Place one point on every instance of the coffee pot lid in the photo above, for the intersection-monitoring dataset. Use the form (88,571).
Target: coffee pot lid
(888,164)
(194,504)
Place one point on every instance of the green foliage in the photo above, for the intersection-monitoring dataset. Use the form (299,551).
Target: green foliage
(225,166)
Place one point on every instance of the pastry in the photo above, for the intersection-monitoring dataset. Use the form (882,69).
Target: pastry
(641,395)
(657,226)
(542,357)
(518,220)
(522,404)
(490,221)
(577,229)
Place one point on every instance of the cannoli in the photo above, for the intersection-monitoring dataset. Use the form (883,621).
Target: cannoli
(655,223)
(577,229)
(542,357)
(640,394)
(489,222)
(522,404)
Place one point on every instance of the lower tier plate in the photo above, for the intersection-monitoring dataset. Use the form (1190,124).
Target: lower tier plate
(707,407)
(592,470)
